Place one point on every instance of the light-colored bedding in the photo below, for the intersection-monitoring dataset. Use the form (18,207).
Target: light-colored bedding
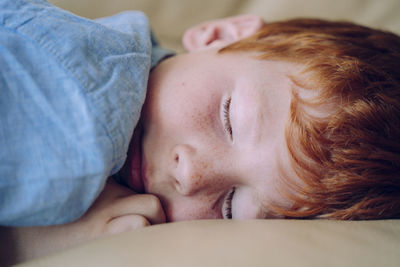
(234,243)
(170,18)
(239,244)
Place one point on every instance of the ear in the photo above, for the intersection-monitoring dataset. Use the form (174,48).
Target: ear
(219,33)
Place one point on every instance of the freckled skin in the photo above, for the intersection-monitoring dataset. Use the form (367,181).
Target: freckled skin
(190,162)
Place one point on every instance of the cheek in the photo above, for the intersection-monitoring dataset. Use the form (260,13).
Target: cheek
(185,101)
(186,209)
(190,117)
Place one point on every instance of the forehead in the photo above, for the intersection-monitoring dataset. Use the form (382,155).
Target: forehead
(261,93)
(265,94)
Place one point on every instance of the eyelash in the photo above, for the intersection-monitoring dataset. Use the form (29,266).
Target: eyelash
(227,119)
(228,204)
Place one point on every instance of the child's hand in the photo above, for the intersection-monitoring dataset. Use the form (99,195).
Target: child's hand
(119,209)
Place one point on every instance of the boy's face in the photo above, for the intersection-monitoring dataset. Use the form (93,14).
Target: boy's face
(214,124)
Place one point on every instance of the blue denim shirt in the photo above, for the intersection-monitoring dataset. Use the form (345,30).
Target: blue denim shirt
(71,91)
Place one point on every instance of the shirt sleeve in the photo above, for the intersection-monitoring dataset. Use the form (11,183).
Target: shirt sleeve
(71,93)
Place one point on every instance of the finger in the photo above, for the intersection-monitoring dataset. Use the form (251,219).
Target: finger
(112,191)
(126,223)
(146,205)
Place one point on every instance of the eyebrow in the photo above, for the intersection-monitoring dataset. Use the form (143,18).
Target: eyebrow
(282,187)
(283,190)
(250,118)
(263,211)
(259,121)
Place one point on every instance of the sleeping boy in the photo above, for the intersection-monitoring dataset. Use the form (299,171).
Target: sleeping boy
(292,119)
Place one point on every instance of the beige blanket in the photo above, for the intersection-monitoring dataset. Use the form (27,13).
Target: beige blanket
(251,243)
(240,244)
(170,18)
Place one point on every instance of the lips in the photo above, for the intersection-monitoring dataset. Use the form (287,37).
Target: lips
(135,160)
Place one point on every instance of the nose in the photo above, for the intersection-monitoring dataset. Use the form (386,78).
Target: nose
(190,171)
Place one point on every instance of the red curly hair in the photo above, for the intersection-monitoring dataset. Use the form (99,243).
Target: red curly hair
(349,160)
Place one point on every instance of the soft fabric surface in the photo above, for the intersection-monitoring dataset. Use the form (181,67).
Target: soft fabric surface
(61,136)
(238,243)
(170,18)
(235,243)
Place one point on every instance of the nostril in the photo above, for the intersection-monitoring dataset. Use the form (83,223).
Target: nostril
(182,169)
(177,185)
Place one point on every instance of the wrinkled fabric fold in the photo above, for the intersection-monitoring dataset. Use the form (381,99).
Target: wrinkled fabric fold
(71,91)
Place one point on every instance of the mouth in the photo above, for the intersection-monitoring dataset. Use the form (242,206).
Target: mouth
(135,158)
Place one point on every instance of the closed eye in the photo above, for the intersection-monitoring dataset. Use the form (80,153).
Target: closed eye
(227,118)
(227,205)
